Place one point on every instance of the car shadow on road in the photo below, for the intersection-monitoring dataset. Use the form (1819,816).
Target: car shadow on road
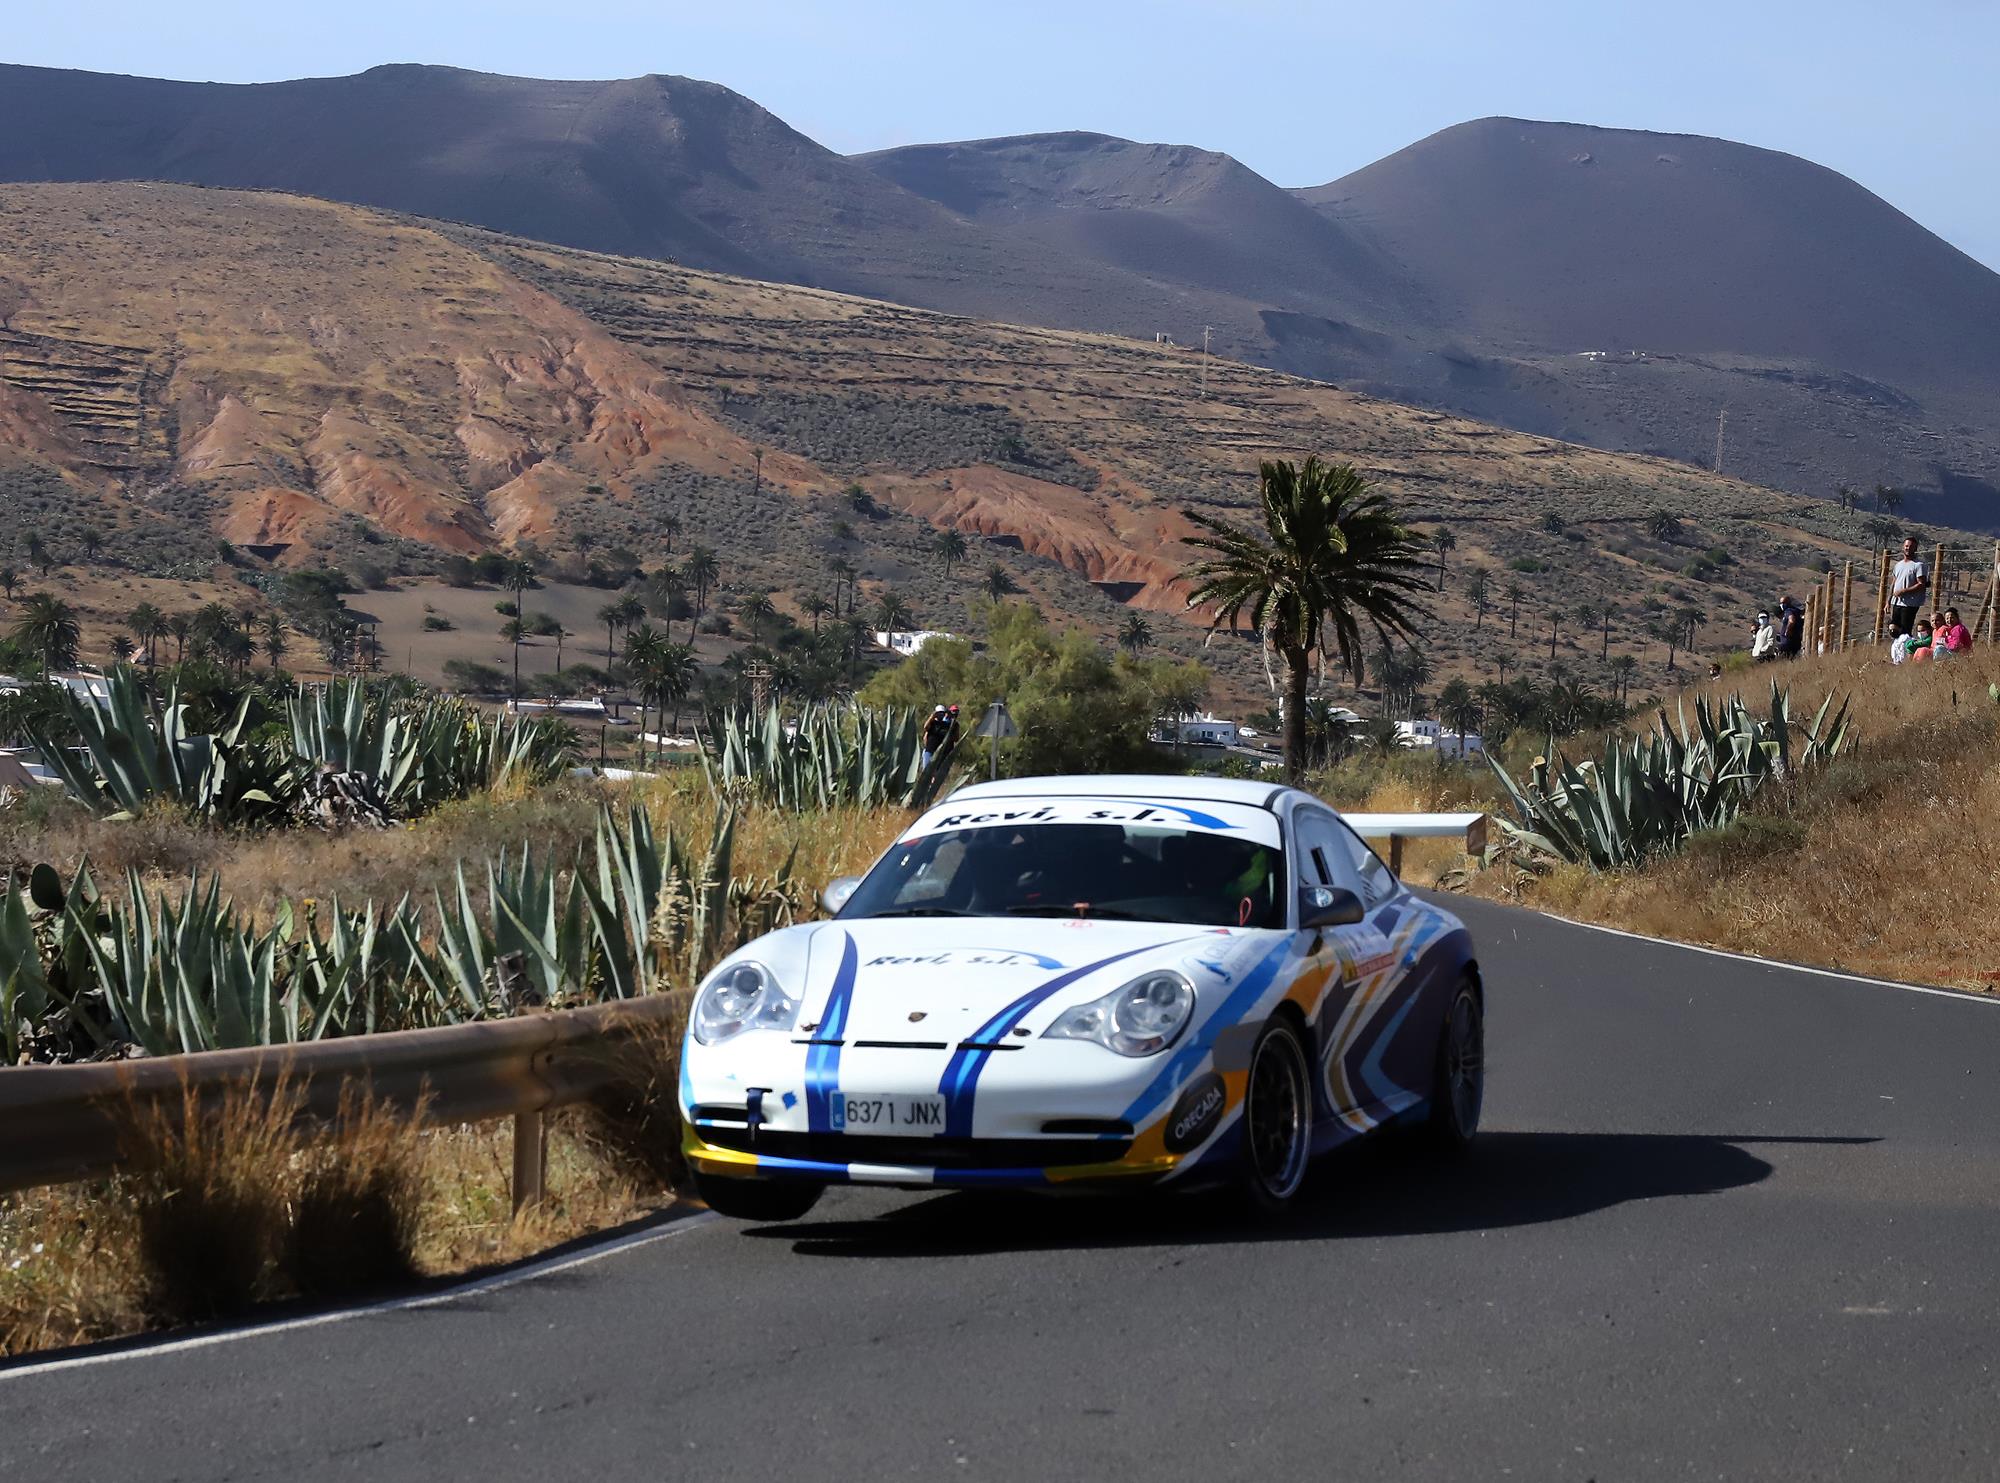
(1375,1189)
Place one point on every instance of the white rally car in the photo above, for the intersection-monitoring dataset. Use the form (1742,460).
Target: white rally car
(1064,982)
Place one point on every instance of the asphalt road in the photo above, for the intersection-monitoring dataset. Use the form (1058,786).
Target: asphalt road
(1728,1221)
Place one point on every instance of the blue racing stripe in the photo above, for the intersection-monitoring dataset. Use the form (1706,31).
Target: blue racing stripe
(823,1061)
(1229,1012)
(961,1074)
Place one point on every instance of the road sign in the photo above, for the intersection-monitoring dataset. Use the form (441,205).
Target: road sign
(996,723)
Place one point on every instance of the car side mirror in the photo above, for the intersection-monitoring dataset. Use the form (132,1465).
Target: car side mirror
(834,897)
(1328,906)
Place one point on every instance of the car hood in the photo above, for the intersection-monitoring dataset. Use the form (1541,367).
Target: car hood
(946,979)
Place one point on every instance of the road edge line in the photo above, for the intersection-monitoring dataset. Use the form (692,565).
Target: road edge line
(1969,996)
(498,1282)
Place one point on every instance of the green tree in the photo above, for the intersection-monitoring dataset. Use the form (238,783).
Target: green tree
(49,630)
(815,606)
(1445,541)
(1135,634)
(39,554)
(1331,556)
(1479,592)
(951,549)
(9,580)
(92,541)
(123,648)
(1514,593)
(892,614)
(645,651)
(1663,525)
(700,571)
(999,583)
(1079,707)
(149,625)
(1458,707)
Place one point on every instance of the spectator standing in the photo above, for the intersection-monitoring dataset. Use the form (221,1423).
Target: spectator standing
(1909,581)
(1791,629)
(936,731)
(1764,643)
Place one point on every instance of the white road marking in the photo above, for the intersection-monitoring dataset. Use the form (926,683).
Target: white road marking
(1966,995)
(497,1283)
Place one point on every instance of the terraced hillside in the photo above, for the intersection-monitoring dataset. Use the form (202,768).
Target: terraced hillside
(328,383)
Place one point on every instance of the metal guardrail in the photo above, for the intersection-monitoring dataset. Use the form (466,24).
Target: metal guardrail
(64,1124)
(1398,827)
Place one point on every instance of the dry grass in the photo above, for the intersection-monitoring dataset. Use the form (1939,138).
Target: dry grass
(1886,863)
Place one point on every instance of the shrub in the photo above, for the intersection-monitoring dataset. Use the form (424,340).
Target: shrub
(437,623)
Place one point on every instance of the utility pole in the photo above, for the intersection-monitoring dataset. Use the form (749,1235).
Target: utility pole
(1206,331)
(1721,421)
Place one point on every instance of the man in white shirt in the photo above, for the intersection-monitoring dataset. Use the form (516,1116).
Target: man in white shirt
(1909,580)
(1765,644)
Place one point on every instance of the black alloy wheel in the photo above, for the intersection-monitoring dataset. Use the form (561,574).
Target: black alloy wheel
(1277,1118)
(1458,1087)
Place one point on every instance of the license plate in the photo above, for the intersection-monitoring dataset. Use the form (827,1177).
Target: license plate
(905,1115)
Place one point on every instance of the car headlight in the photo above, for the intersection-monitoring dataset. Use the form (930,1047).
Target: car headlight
(743,996)
(1142,1017)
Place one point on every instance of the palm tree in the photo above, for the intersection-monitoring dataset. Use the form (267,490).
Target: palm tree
(1515,592)
(670,529)
(1555,623)
(148,623)
(1331,554)
(700,572)
(1847,495)
(561,634)
(999,582)
(951,549)
(122,648)
(610,616)
(181,626)
(520,573)
(891,613)
(644,647)
(1478,590)
(1135,634)
(92,541)
(1458,708)
(1663,525)
(275,643)
(843,571)
(9,580)
(668,677)
(49,628)
(815,606)
(1605,617)
(1443,539)
(1621,672)
(1887,500)
(758,609)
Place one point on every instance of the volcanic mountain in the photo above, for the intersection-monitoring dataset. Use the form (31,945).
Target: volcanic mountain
(1634,291)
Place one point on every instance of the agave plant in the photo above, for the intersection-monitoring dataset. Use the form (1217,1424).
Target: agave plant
(1646,795)
(134,750)
(829,757)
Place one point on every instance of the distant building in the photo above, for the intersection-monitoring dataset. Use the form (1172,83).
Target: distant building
(1432,735)
(909,642)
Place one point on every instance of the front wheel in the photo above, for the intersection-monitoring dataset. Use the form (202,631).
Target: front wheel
(766,1200)
(1277,1118)
(1458,1086)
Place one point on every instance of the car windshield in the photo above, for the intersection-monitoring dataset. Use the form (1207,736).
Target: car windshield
(1132,872)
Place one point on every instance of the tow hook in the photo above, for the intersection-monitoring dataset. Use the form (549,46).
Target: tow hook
(753,1111)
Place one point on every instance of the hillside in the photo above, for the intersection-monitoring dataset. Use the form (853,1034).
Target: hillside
(322,383)
(1601,286)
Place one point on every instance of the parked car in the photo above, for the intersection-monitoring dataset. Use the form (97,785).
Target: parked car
(1061,983)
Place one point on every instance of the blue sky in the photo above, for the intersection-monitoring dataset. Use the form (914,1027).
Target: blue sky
(1898,96)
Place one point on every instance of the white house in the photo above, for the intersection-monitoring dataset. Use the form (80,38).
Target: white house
(1456,745)
(908,642)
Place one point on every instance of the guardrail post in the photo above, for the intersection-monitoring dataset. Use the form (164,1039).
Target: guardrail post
(531,1143)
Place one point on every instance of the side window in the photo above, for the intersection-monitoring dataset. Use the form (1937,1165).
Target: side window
(1377,883)
(1323,858)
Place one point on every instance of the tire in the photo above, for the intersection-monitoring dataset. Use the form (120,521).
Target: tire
(767,1200)
(1458,1084)
(1277,1118)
